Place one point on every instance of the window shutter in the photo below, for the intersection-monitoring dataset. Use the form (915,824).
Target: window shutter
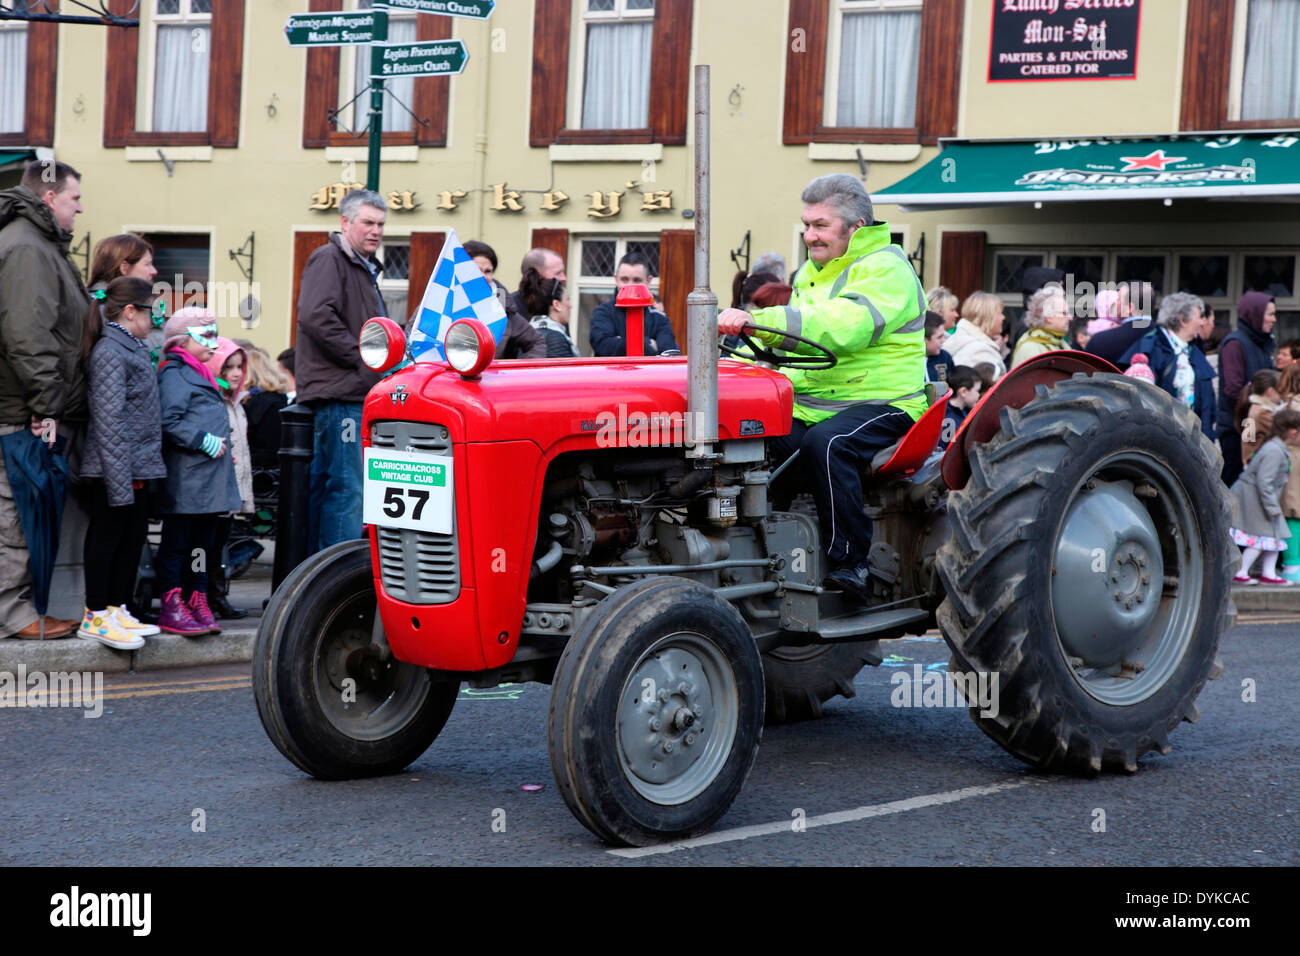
(557,240)
(304,244)
(1207,61)
(938,86)
(961,262)
(425,247)
(227,38)
(805,69)
(670,70)
(321,94)
(550,70)
(431,93)
(119,87)
(676,277)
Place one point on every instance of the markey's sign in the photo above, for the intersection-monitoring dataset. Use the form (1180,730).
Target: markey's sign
(1064,40)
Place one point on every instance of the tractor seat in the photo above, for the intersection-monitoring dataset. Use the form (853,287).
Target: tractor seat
(911,451)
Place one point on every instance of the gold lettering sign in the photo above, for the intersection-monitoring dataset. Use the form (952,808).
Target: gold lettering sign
(329,197)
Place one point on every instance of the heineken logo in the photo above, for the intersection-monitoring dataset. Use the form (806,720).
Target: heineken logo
(1205,175)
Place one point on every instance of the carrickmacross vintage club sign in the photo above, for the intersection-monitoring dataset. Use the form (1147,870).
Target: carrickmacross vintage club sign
(1064,40)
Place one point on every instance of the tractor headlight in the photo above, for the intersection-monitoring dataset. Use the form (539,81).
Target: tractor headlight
(382,343)
(470,347)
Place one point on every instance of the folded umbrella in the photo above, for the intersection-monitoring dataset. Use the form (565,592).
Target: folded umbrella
(38,476)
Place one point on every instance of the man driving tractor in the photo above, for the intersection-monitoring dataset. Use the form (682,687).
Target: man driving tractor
(858,296)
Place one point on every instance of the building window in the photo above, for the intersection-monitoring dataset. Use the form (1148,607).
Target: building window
(593,61)
(336,109)
(183,261)
(872,71)
(597,259)
(872,67)
(395,280)
(399,92)
(181,38)
(612,70)
(1266,83)
(13,76)
(163,86)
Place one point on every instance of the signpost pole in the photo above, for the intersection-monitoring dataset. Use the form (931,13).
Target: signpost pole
(376,96)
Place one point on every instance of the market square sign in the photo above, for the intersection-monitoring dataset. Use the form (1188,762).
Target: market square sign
(1064,40)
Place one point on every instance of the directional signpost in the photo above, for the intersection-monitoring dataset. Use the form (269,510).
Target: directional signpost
(435,58)
(348,28)
(330,29)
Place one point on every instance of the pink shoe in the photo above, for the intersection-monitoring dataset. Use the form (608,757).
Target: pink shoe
(198,607)
(1243,579)
(1279,581)
(176,618)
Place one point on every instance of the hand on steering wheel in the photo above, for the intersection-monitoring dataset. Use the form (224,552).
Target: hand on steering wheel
(761,353)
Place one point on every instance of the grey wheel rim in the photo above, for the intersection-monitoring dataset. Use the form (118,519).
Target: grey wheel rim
(361,696)
(677,719)
(1127,578)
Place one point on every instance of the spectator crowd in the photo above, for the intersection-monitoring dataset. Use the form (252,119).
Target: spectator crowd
(161,416)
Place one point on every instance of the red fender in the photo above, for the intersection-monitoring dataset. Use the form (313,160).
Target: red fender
(1012,390)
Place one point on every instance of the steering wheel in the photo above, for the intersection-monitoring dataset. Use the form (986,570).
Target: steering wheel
(761,353)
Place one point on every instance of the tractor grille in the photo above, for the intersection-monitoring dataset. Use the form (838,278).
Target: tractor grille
(418,567)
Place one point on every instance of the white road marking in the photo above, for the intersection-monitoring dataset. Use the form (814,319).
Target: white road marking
(825,819)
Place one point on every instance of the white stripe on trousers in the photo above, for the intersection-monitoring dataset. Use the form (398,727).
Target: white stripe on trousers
(829,484)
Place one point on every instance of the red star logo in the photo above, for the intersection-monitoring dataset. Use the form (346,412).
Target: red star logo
(1157,161)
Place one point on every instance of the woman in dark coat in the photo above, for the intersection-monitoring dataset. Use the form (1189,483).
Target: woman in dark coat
(1242,353)
(1174,354)
(548,303)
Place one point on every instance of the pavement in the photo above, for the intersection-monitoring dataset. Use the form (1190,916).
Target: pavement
(234,645)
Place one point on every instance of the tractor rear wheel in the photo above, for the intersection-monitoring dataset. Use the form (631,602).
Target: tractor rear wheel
(656,712)
(800,679)
(329,699)
(1088,572)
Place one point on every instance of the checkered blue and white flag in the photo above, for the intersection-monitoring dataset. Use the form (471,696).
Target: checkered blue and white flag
(457,289)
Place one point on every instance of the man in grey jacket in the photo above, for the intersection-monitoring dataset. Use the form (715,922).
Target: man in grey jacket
(43,306)
(340,291)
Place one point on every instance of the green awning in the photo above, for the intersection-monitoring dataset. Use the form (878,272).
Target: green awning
(996,173)
(10,156)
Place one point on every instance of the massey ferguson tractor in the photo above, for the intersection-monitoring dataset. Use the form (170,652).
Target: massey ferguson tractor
(605,526)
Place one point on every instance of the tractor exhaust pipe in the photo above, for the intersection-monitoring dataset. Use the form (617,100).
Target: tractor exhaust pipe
(702,304)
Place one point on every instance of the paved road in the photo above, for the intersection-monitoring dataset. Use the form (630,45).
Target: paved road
(178,770)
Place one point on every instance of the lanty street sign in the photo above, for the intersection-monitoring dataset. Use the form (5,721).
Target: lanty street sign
(473,9)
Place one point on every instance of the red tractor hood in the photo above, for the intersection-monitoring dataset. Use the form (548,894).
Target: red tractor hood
(630,402)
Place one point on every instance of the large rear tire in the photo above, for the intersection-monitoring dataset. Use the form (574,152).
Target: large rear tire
(1088,572)
(656,712)
(329,700)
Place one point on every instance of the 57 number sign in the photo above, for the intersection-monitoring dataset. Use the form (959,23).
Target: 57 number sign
(404,490)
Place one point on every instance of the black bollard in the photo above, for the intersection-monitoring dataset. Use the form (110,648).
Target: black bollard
(293,504)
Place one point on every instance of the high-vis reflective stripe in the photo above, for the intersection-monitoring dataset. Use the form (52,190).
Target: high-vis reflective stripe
(839,405)
(916,325)
(876,317)
(793,326)
(920,289)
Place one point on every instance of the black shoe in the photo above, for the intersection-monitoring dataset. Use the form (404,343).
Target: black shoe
(222,609)
(853,581)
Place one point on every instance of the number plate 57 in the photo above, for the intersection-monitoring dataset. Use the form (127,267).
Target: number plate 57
(402,490)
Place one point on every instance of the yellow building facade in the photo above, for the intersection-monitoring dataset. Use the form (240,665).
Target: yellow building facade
(570,127)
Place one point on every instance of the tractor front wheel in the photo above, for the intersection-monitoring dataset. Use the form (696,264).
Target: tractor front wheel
(331,699)
(1087,574)
(656,712)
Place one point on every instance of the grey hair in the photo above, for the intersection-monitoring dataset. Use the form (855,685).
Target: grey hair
(843,193)
(1176,309)
(940,299)
(1038,304)
(772,263)
(357,198)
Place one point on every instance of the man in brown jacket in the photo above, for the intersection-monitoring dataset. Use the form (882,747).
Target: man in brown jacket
(43,306)
(340,291)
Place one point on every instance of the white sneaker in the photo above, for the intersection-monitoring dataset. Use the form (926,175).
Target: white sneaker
(102,626)
(129,622)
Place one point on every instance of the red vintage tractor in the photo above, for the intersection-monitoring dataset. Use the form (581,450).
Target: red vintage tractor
(581,522)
